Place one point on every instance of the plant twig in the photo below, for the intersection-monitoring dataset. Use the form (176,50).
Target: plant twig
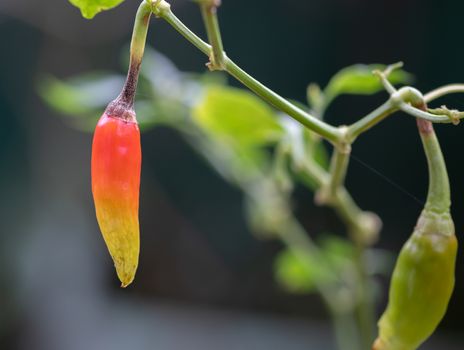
(443,91)
(163,9)
(209,13)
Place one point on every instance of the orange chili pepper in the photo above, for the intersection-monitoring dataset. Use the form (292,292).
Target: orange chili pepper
(116,163)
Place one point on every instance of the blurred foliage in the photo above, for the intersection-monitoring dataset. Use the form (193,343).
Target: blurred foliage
(89,8)
(249,144)
(237,116)
(355,80)
(303,276)
(298,276)
(359,80)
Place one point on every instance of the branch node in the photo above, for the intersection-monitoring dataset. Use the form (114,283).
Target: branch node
(408,95)
(369,228)
(454,115)
(383,76)
(158,7)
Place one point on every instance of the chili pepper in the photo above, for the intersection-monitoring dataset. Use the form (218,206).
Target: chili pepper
(423,278)
(116,164)
(116,161)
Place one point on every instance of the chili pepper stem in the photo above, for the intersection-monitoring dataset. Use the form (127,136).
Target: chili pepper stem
(438,198)
(123,105)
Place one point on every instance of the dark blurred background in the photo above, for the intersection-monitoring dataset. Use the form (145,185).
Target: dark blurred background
(204,281)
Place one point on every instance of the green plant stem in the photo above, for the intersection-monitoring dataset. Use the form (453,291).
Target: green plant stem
(371,120)
(290,232)
(345,331)
(333,134)
(365,302)
(137,48)
(209,13)
(363,228)
(402,101)
(442,91)
(327,131)
(123,106)
(295,238)
(411,101)
(139,33)
(407,108)
(438,198)
(338,169)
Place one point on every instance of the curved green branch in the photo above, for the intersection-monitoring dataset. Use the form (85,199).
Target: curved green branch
(163,9)
(444,90)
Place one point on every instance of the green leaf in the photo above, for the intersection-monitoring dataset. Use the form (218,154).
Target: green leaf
(89,8)
(301,276)
(237,117)
(301,273)
(292,274)
(359,79)
(80,95)
(338,251)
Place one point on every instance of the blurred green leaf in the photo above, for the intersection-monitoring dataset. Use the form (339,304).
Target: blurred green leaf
(80,95)
(301,273)
(293,275)
(237,117)
(359,80)
(245,163)
(84,98)
(338,251)
(301,276)
(315,98)
(89,8)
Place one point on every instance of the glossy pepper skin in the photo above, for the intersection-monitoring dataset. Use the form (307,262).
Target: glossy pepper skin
(423,278)
(116,163)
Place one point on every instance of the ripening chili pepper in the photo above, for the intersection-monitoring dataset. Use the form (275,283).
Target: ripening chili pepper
(423,278)
(116,163)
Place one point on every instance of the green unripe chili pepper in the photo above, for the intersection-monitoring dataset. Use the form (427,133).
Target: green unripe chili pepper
(423,278)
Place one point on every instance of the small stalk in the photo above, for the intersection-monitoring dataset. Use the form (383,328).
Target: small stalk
(338,168)
(365,302)
(209,13)
(371,120)
(123,105)
(438,197)
(363,228)
(443,91)
(346,332)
